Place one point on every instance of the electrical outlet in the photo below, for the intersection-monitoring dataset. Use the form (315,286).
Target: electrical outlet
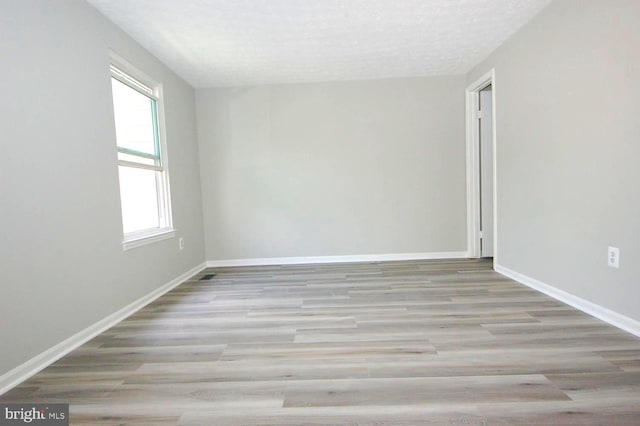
(613,257)
(181,243)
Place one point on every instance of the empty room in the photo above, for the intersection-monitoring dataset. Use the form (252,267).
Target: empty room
(320,212)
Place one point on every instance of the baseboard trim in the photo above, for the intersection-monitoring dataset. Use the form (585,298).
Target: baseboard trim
(607,315)
(22,372)
(336,259)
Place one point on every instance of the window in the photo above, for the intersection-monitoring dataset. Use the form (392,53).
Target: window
(142,167)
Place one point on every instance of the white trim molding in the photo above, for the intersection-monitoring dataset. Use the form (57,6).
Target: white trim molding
(22,372)
(607,315)
(337,259)
(148,239)
(473,164)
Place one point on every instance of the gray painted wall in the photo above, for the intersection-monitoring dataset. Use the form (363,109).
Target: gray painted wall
(350,168)
(61,261)
(568,138)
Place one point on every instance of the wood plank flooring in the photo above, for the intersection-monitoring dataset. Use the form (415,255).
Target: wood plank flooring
(445,342)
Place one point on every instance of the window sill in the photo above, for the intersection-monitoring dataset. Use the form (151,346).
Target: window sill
(139,241)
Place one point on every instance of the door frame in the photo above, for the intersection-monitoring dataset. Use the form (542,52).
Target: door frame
(473,165)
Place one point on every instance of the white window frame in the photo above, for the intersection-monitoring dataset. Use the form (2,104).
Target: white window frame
(124,72)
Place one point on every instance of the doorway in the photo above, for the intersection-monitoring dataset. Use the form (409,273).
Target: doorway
(481,174)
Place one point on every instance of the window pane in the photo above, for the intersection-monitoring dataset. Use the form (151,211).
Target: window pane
(134,114)
(139,197)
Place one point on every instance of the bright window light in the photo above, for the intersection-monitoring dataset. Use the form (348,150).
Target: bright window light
(144,183)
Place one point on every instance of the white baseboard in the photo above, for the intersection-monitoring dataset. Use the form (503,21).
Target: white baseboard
(22,372)
(607,315)
(336,259)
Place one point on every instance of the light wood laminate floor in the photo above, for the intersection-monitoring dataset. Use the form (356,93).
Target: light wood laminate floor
(395,343)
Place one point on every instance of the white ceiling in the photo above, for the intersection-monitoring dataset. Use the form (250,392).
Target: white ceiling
(246,42)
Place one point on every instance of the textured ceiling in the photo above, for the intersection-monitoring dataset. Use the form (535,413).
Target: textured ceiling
(246,42)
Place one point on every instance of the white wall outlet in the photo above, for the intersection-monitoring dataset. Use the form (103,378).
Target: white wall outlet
(181,243)
(613,257)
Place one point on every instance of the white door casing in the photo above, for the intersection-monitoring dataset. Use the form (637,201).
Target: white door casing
(485,123)
(472,94)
